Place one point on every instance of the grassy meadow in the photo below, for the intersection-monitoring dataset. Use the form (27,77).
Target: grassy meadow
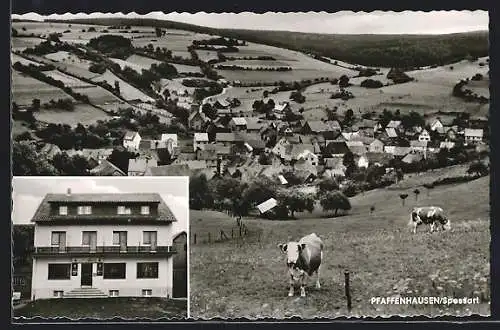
(247,277)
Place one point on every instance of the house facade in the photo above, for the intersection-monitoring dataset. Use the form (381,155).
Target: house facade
(473,135)
(131,140)
(102,245)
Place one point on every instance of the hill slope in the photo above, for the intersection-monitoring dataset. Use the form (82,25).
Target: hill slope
(370,50)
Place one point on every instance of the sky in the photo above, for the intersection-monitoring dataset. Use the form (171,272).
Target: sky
(28,192)
(343,22)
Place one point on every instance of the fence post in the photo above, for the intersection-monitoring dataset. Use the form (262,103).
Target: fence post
(194,238)
(347,290)
(232,232)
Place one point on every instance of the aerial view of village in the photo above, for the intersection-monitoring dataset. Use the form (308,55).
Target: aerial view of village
(362,139)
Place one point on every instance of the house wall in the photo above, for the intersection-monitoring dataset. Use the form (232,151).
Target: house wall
(104,234)
(132,144)
(199,144)
(108,209)
(131,286)
(376,147)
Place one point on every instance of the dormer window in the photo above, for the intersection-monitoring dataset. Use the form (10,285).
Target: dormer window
(122,210)
(84,210)
(145,210)
(63,210)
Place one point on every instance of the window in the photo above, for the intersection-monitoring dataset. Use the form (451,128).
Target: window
(149,238)
(58,238)
(89,238)
(114,293)
(114,271)
(59,271)
(145,209)
(122,210)
(147,270)
(120,238)
(147,292)
(84,210)
(58,294)
(63,210)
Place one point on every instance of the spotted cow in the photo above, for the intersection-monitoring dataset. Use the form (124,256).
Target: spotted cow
(431,215)
(303,257)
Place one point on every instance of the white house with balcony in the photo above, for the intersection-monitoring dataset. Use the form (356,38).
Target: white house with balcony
(102,245)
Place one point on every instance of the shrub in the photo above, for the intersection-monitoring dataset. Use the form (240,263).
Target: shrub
(370,83)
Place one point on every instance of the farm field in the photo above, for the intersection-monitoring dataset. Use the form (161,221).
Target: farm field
(23,87)
(207,55)
(98,95)
(255,93)
(250,76)
(174,40)
(16,58)
(181,53)
(182,68)
(66,57)
(374,248)
(128,91)
(83,114)
(20,44)
(255,63)
(77,68)
(67,79)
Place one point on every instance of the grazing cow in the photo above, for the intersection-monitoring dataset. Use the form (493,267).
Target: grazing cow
(303,257)
(431,215)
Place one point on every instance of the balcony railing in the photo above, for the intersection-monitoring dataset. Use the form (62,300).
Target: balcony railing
(87,250)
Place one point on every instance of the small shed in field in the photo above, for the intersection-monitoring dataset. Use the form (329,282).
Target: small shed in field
(267,205)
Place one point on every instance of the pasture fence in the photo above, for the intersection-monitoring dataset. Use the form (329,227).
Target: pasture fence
(238,232)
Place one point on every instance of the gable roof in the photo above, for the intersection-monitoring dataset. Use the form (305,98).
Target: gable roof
(337,147)
(267,205)
(130,135)
(106,168)
(169,170)
(473,132)
(140,164)
(43,211)
(166,137)
(391,132)
(394,124)
(418,144)
(201,137)
(254,123)
(239,121)
(412,158)
(281,106)
(228,137)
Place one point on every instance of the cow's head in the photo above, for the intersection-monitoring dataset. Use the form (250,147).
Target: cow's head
(293,251)
(447,224)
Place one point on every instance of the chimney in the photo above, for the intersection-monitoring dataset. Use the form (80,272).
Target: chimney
(68,192)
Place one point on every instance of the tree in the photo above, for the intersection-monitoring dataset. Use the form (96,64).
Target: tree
(343,81)
(416,192)
(75,166)
(372,209)
(14,32)
(35,104)
(120,157)
(296,201)
(371,83)
(326,185)
(349,163)
(348,117)
(478,169)
(158,32)
(335,200)
(265,94)
(209,110)
(403,197)
(199,193)
(26,161)
(117,86)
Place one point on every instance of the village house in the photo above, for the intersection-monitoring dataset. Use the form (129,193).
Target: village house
(336,148)
(396,124)
(237,124)
(228,139)
(424,136)
(308,156)
(200,140)
(376,146)
(169,170)
(447,145)
(329,129)
(106,168)
(255,124)
(102,245)
(97,155)
(50,150)
(361,161)
(280,109)
(418,146)
(197,121)
(170,137)
(379,159)
(391,132)
(436,124)
(131,140)
(356,147)
(139,166)
(222,104)
(473,135)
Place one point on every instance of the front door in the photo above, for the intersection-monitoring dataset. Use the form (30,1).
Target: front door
(86,274)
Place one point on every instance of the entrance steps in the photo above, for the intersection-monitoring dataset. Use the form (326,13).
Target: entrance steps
(85,293)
